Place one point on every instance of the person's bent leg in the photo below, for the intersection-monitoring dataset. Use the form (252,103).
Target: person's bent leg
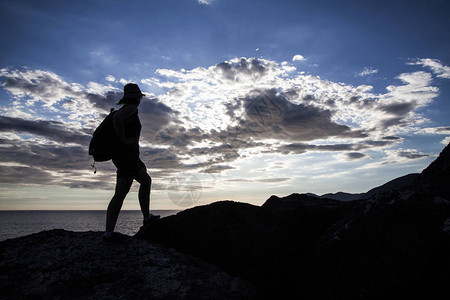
(122,188)
(145,182)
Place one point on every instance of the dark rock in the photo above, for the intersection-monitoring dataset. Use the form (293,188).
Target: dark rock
(402,182)
(258,243)
(342,196)
(393,243)
(59,264)
(435,179)
(396,184)
(226,233)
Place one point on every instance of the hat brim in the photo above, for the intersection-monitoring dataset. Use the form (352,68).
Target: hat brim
(133,95)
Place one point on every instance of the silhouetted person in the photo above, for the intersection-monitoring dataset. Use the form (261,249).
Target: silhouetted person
(129,166)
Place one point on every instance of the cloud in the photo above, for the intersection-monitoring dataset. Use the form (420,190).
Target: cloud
(411,154)
(396,156)
(398,109)
(300,148)
(236,69)
(110,78)
(205,2)
(40,86)
(52,130)
(50,138)
(355,155)
(206,119)
(269,115)
(437,130)
(367,71)
(435,65)
(298,57)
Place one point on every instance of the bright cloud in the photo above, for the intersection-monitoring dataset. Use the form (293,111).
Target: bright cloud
(206,2)
(367,71)
(435,65)
(110,78)
(298,57)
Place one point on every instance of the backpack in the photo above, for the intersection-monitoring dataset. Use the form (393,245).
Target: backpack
(104,142)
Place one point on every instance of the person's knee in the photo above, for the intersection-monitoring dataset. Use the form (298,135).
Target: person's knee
(147,181)
(144,179)
(122,187)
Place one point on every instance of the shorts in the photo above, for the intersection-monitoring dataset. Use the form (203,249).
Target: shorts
(129,165)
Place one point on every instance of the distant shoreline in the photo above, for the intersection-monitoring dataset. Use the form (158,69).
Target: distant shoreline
(19,223)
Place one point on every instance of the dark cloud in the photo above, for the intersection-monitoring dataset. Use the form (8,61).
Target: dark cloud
(24,175)
(269,114)
(355,155)
(155,118)
(309,98)
(154,115)
(40,83)
(67,165)
(299,148)
(380,143)
(49,157)
(386,123)
(49,164)
(178,136)
(159,158)
(217,169)
(391,138)
(105,102)
(273,180)
(443,129)
(219,157)
(56,131)
(411,155)
(244,67)
(399,109)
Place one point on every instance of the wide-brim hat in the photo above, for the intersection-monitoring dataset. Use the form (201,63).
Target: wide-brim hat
(131,91)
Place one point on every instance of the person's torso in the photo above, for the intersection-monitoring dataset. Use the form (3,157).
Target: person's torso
(132,126)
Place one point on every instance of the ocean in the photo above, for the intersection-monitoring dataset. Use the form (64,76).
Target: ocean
(20,223)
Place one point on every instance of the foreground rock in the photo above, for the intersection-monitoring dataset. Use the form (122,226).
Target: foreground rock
(59,264)
(394,244)
(258,243)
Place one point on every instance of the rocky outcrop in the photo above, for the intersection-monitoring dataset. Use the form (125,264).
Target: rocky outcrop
(435,179)
(391,245)
(60,264)
(399,183)
(394,243)
(258,243)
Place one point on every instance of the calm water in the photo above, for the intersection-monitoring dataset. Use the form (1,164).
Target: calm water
(19,223)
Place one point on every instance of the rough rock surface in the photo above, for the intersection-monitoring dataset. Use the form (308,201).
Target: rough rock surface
(59,264)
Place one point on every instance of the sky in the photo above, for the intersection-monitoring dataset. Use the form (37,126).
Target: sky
(244,99)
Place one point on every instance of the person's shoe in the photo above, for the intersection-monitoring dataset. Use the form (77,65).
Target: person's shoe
(113,237)
(150,219)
